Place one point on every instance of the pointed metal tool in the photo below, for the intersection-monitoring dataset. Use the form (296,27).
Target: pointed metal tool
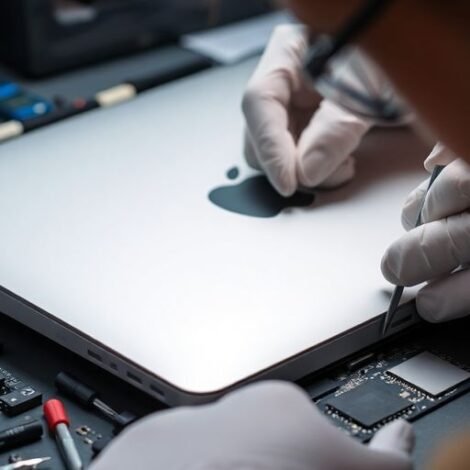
(398,292)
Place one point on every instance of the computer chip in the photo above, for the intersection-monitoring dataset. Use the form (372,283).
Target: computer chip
(369,404)
(429,373)
(322,387)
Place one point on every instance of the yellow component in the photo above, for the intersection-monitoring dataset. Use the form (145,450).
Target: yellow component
(116,95)
(10,129)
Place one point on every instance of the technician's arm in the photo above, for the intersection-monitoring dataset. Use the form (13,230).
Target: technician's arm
(439,251)
(269,426)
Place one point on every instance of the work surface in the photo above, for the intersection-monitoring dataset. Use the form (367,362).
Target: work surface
(37,361)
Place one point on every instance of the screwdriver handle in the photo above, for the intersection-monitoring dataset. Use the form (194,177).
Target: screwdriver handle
(75,389)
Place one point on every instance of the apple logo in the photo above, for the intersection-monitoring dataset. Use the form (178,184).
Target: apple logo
(255,197)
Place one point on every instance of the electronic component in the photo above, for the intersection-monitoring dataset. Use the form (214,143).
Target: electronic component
(369,404)
(18,401)
(89,398)
(20,435)
(83,431)
(322,387)
(430,373)
(99,446)
(3,378)
(20,105)
(398,384)
(359,362)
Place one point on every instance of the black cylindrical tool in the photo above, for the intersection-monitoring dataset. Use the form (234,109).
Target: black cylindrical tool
(19,435)
(75,389)
(88,397)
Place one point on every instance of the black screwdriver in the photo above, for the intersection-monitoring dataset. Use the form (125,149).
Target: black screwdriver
(89,398)
(20,435)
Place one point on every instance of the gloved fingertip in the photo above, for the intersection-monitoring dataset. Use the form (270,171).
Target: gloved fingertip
(275,155)
(282,172)
(412,206)
(409,213)
(398,436)
(284,188)
(319,168)
(445,298)
(389,269)
(287,31)
(286,193)
(440,155)
(342,175)
(308,177)
(250,155)
(399,265)
(406,221)
(429,306)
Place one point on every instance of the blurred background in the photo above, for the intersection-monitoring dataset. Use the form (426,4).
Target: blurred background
(57,55)
(40,37)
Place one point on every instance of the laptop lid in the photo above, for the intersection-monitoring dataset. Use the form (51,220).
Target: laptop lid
(135,236)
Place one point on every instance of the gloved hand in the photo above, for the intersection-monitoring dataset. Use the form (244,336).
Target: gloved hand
(291,135)
(268,426)
(433,252)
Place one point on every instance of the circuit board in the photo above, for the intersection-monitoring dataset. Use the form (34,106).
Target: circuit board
(21,404)
(362,401)
(16,396)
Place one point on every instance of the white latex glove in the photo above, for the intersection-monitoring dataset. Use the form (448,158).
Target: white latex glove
(268,426)
(290,136)
(433,252)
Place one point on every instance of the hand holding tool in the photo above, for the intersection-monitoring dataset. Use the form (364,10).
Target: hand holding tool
(398,292)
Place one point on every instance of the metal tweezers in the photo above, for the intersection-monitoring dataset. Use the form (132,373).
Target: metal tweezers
(25,464)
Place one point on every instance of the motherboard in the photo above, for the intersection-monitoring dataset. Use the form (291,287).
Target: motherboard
(376,389)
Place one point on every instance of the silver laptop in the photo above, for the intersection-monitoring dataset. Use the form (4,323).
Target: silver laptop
(138,238)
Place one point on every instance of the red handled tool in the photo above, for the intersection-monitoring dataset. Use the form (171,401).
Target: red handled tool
(58,421)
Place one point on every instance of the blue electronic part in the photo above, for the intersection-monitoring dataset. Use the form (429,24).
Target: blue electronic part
(20,105)
(8,90)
